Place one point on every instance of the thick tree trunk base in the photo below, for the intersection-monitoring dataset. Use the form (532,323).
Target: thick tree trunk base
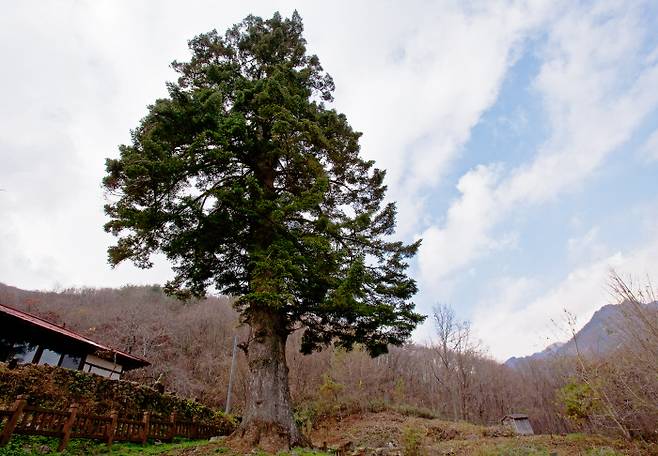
(268,437)
(268,421)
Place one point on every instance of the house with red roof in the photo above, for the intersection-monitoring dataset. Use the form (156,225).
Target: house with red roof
(27,338)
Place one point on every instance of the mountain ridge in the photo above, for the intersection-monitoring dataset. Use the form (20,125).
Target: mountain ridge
(603,333)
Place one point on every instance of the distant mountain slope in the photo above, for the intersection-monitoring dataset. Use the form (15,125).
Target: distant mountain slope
(605,332)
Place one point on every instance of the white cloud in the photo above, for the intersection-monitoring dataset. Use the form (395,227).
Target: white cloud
(650,148)
(586,248)
(594,104)
(414,78)
(515,322)
(462,238)
(417,109)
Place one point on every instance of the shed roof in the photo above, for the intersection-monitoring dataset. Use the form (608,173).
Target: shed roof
(129,361)
(515,416)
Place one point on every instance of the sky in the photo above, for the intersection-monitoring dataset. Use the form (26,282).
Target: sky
(520,140)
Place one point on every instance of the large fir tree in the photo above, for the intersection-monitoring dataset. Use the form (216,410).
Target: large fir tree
(247,182)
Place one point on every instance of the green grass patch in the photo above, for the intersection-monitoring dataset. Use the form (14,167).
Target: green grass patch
(21,445)
(605,451)
(514,450)
(294,452)
(301,452)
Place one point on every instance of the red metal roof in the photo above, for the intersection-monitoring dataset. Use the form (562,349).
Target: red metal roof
(37,321)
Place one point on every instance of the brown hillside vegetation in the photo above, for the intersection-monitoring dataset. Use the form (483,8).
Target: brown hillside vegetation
(189,345)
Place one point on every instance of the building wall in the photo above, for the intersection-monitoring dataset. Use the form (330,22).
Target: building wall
(102,367)
(523,427)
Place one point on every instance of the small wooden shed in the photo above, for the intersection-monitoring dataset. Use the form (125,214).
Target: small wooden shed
(519,423)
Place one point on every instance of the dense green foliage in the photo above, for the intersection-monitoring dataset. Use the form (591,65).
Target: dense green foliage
(579,401)
(248,182)
(53,387)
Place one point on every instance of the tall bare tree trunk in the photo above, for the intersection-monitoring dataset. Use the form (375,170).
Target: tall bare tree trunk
(268,418)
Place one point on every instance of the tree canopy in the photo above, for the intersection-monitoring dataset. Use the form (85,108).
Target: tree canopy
(249,183)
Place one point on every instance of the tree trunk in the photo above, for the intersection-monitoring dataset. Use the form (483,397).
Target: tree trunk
(268,420)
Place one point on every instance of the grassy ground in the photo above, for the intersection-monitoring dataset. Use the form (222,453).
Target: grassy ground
(571,445)
(20,445)
(37,445)
(382,433)
(392,433)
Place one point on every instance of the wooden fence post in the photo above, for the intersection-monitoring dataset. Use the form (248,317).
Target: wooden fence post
(145,427)
(113,427)
(17,409)
(172,429)
(68,427)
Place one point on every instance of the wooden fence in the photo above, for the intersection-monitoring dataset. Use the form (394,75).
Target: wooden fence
(27,419)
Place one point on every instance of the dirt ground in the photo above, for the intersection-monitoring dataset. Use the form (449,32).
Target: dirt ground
(390,433)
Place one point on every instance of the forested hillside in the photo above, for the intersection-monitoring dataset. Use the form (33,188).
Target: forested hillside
(189,346)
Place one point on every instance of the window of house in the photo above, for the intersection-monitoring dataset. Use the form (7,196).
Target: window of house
(50,357)
(24,352)
(71,361)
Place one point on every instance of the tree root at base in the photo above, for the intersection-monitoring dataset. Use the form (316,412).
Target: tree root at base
(269,437)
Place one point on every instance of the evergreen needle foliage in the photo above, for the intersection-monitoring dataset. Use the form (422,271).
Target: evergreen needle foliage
(248,182)
(245,180)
